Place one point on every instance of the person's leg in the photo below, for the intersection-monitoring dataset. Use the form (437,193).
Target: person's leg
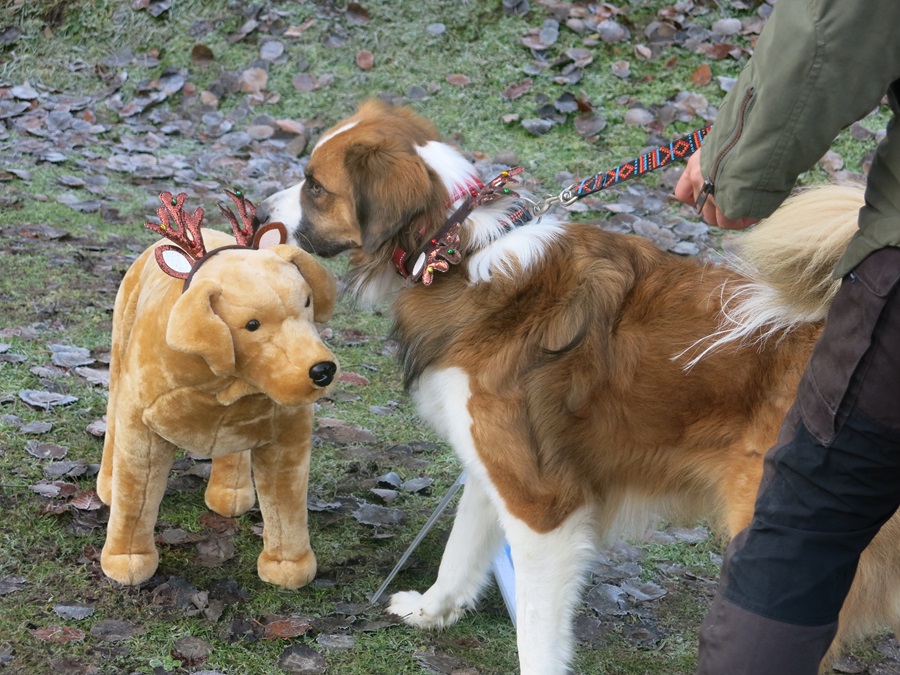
(829,484)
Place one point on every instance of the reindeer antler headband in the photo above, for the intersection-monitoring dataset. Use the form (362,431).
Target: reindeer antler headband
(175,224)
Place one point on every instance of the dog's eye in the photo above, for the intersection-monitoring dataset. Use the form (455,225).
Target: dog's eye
(308,302)
(313,187)
(252,325)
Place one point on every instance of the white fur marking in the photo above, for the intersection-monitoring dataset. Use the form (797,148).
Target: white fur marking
(327,137)
(284,207)
(550,567)
(550,571)
(455,171)
(525,246)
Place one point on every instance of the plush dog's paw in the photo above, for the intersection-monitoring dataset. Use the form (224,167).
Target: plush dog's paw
(230,502)
(129,568)
(290,573)
(423,611)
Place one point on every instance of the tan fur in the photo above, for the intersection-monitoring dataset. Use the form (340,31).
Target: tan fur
(186,373)
(795,253)
(583,389)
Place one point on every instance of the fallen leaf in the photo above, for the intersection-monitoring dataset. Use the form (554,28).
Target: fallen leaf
(341,433)
(245,30)
(831,162)
(727,27)
(213,552)
(11,584)
(97,428)
(201,55)
(301,660)
(306,82)
(46,450)
(254,80)
(537,127)
(283,629)
(191,651)
(36,428)
(94,375)
(589,124)
(74,611)
(87,500)
(45,399)
(621,68)
(271,50)
(702,76)
(458,80)
(517,89)
(358,14)
(365,60)
(353,378)
(58,634)
(112,630)
(417,484)
(378,516)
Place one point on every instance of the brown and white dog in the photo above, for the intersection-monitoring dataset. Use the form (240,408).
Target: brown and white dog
(588,381)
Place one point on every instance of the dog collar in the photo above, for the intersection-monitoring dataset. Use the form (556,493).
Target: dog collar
(442,250)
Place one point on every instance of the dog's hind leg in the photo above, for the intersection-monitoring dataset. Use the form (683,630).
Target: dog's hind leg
(550,571)
(465,565)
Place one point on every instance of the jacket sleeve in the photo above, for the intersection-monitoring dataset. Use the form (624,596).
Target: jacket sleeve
(818,66)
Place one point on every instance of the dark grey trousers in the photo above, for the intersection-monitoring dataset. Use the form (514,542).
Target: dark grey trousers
(830,483)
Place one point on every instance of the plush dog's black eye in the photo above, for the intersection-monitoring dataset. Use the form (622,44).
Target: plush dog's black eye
(252,325)
(308,302)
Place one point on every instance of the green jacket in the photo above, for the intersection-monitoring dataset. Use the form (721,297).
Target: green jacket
(819,66)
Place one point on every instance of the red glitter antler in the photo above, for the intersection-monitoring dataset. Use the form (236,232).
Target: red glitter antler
(251,234)
(183,230)
(242,233)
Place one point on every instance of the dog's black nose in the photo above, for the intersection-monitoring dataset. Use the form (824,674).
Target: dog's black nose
(323,373)
(262,214)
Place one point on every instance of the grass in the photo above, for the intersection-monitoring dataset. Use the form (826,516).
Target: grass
(62,291)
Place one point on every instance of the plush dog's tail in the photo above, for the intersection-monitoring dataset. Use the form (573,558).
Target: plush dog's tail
(784,266)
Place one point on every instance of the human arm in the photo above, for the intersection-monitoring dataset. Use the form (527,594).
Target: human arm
(818,66)
(688,188)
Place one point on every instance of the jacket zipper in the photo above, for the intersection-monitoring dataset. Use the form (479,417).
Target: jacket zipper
(709,185)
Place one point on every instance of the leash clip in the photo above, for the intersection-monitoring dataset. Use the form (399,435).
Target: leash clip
(565,198)
(708,188)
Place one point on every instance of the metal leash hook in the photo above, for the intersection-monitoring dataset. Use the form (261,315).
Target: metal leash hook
(565,198)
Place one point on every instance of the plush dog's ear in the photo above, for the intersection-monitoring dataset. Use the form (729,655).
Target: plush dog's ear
(194,328)
(320,279)
(393,188)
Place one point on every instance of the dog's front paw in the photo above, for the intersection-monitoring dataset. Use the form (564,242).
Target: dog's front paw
(287,573)
(129,568)
(424,611)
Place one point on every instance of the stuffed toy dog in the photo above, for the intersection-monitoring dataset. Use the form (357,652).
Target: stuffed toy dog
(214,351)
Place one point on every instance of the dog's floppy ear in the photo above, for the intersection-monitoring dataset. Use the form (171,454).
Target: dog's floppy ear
(320,279)
(392,186)
(194,328)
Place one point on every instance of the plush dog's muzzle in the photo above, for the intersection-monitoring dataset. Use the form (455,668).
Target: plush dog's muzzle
(322,374)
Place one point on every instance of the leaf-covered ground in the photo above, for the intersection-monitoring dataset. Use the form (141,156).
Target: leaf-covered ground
(105,104)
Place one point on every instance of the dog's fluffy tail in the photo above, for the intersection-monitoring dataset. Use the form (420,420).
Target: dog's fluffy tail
(785,266)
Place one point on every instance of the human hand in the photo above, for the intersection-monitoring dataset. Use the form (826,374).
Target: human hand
(688,189)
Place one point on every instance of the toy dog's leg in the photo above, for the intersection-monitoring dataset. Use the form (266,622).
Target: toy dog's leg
(281,471)
(104,477)
(138,483)
(230,491)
